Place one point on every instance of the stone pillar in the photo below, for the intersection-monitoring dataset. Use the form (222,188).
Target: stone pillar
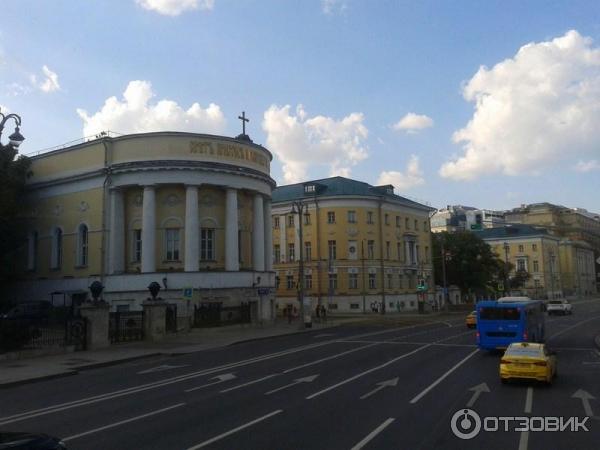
(155,320)
(282,238)
(268,224)
(97,317)
(149,230)
(192,230)
(258,234)
(117,232)
(232,259)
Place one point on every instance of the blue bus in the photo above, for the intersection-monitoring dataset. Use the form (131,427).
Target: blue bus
(500,323)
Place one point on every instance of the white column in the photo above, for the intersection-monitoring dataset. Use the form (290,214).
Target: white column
(232,260)
(297,220)
(268,223)
(117,232)
(282,239)
(149,230)
(192,230)
(258,234)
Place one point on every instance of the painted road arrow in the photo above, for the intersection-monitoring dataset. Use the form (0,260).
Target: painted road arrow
(477,390)
(382,385)
(298,381)
(219,378)
(585,399)
(160,369)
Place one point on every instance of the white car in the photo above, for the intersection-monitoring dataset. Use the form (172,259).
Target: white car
(559,307)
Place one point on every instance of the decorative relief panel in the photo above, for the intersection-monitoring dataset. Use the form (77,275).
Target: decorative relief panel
(83,206)
(172,200)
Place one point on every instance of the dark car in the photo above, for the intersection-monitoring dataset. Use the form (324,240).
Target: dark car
(29,441)
(29,311)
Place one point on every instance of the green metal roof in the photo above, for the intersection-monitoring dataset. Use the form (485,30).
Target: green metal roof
(340,186)
(510,231)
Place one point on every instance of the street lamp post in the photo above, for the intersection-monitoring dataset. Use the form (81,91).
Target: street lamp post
(506,248)
(444,280)
(298,207)
(552,273)
(16,138)
(362,260)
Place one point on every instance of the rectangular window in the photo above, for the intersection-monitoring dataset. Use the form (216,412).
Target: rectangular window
(308,281)
(351,216)
(307,219)
(416,225)
(289,281)
(372,281)
(307,251)
(291,253)
(352,281)
(330,217)
(426,255)
(276,222)
(207,244)
(369,217)
(277,282)
(370,249)
(425,226)
(521,248)
(137,246)
(386,219)
(291,221)
(277,254)
(387,250)
(333,281)
(399,250)
(354,306)
(332,250)
(521,265)
(172,244)
(536,283)
(406,222)
(390,281)
(309,188)
(84,247)
(534,247)
(397,221)
(400,281)
(536,266)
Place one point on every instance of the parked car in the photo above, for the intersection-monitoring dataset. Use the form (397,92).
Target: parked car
(30,441)
(559,307)
(29,311)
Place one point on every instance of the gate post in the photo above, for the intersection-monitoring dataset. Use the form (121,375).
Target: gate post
(97,316)
(155,320)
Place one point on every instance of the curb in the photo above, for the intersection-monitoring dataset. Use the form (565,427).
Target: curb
(294,333)
(36,379)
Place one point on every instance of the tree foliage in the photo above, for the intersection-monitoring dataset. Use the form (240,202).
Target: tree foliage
(470,262)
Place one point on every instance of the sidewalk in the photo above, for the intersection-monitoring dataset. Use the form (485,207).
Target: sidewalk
(20,371)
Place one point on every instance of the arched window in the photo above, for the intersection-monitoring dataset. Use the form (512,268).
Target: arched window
(57,249)
(82,245)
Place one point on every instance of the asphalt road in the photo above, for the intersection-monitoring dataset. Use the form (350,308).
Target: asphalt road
(342,388)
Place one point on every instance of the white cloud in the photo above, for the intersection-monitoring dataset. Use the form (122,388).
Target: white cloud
(531,111)
(300,142)
(49,82)
(330,7)
(175,7)
(402,181)
(135,114)
(413,123)
(587,166)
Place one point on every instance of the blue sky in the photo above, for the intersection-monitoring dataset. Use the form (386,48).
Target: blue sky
(327,85)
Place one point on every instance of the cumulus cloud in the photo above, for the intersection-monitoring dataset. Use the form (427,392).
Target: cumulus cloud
(587,166)
(402,181)
(49,83)
(175,7)
(135,114)
(300,141)
(330,7)
(537,108)
(413,123)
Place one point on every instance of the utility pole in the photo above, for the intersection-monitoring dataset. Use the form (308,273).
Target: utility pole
(298,208)
(444,277)
(506,248)
(362,253)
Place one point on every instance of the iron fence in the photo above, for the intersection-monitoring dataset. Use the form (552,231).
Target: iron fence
(126,326)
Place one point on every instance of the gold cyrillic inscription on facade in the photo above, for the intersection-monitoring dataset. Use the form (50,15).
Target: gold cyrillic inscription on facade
(229,151)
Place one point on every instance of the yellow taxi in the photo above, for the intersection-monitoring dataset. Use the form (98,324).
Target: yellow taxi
(528,360)
(471,319)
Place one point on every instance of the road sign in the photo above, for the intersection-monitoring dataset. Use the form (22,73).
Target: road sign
(188,293)
(500,286)
(263,291)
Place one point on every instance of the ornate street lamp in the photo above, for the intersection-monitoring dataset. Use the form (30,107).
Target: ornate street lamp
(16,138)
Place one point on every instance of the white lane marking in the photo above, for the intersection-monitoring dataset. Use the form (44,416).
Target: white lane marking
(160,369)
(528,400)
(585,398)
(455,336)
(440,379)
(372,434)
(573,326)
(139,388)
(523,440)
(435,344)
(329,358)
(381,385)
(235,430)
(477,390)
(122,422)
(308,379)
(249,383)
(218,378)
(322,335)
(366,372)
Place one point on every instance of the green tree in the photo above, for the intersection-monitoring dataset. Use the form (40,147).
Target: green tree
(470,262)
(14,170)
